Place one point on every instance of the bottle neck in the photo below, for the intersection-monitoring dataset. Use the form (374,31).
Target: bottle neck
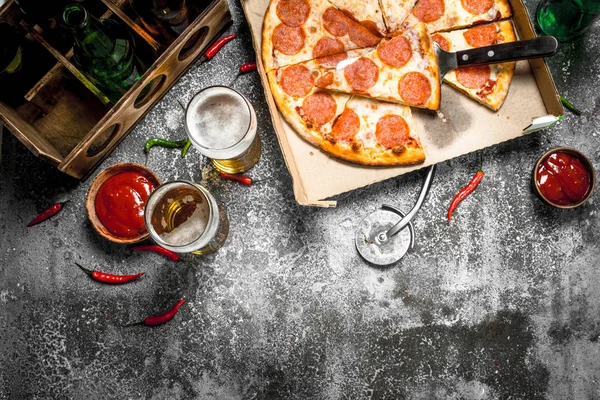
(88,32)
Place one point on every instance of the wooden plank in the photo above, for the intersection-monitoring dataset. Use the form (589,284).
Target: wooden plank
(29,136)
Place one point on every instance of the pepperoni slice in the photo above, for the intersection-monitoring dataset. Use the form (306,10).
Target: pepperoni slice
(481,36)
(288,40)
(371,26)
(335,22)
(362,74)
(325,80)
(346,126)
(477,7)
(332,61)
(297,80)
(361,36)
(442,41)
(392,131)
(395,52)
(429,10)
(414,88)
(319,108)
(473,77)
(293,12)
(327,46)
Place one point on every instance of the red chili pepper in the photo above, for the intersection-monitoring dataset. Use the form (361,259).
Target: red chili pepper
(464,192)
(244,180)
(248,67)
(157,249)
(164,317)
(109,278)
(47,213)
(216,46)
(244,68)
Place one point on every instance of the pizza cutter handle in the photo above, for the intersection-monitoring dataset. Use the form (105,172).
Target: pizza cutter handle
(411,214)
(544,46)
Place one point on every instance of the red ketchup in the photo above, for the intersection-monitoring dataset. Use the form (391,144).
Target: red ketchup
(120,203)
(563,179)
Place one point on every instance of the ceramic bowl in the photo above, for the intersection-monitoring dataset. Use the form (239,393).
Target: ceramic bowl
(586,163)
(95,187)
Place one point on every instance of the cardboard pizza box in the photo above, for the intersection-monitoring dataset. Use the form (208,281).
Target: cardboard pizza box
(461,126)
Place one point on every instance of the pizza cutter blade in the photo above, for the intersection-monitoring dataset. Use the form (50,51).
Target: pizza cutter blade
(544,46)
(383,240)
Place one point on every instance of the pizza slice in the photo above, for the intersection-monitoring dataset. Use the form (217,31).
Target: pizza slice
(368,13)
(373,132)
(443,15)
(395,12)
(487,84)
(402,69)
(300,30)
(309,110)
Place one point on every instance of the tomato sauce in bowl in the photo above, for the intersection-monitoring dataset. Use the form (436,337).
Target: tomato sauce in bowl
(564,178)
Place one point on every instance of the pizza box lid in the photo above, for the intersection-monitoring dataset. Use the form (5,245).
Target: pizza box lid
(461,126)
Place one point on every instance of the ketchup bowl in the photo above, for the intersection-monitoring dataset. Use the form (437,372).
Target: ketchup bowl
(116,199)
(564,178)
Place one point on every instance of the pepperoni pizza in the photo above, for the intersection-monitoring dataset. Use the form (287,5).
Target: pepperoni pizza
(443,15)
(402,69)
(356,129)
(300,30)
(371,132)
(487,84)
(343,73)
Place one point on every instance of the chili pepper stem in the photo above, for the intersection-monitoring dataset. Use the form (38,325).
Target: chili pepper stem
(87,271)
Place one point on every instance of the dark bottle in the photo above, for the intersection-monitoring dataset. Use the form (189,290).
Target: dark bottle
(11,51)
(165,20)
(103,50)
(11,64)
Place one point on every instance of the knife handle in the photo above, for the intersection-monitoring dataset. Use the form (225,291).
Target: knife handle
(544,46)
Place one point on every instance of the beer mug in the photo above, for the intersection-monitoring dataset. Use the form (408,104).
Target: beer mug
(184,217)
(221,124)
(567,19)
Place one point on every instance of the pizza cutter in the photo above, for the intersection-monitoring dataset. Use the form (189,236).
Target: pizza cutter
(544,46)
(381,239)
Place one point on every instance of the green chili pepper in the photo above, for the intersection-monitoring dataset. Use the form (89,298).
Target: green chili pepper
(186,147)
(164,143)
(570,106)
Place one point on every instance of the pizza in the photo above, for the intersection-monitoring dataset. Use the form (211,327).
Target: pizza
(353,128)
(344,74)
(487,84)
(395,12)
(368,14)
(402,69)
(300,30)
(372,132)
(443,15)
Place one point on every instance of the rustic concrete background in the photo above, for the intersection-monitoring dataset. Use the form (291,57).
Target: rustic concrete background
(502,303)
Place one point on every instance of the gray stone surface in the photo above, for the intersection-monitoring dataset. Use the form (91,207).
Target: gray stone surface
(502,303)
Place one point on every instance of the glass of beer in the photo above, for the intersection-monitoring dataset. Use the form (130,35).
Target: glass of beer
(184,217)
(221,124)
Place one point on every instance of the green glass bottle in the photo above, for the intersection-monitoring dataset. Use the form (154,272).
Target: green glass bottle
(103,50)
(11,51)
(567,20)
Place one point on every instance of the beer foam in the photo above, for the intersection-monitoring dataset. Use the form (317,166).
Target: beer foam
(217,118)
(192,228)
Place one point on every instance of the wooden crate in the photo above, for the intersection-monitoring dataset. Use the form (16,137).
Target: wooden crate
(62,118)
